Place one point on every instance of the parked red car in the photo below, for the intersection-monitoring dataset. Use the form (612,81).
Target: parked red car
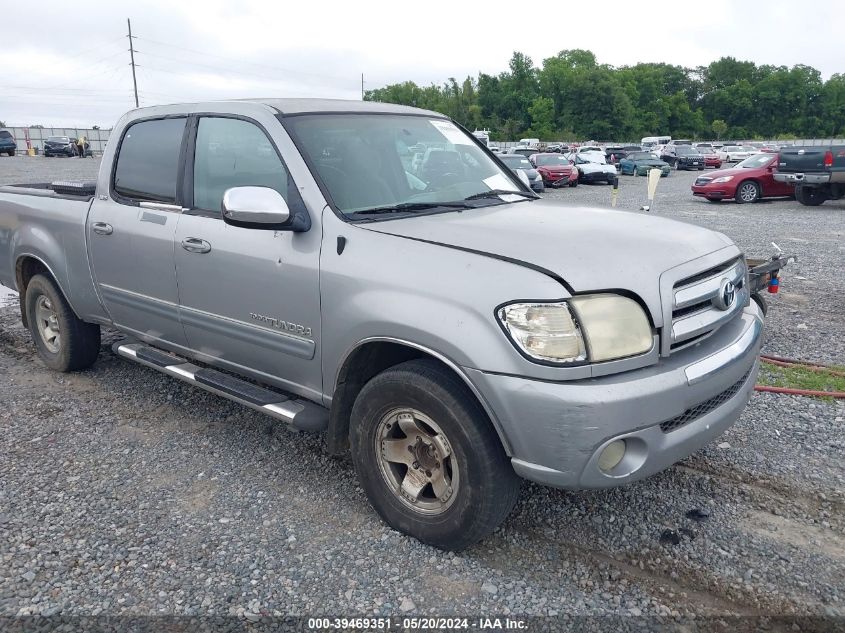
(555,169)
(711,158)
(747,181)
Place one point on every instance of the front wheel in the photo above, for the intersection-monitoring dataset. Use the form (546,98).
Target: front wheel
(63,341)
(428,457)
(573,183)
(747,192)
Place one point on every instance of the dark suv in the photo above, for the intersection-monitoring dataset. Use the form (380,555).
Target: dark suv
(59,146)
(8,145)
(682,156)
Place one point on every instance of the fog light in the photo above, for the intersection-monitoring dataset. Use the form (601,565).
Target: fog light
(611,455)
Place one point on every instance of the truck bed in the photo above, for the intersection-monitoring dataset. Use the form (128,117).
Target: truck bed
(51,223)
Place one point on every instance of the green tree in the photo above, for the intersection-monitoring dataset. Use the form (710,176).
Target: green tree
(833,105)
(542,112)
(571,91)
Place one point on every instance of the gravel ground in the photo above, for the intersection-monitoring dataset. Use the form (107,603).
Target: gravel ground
(125,492)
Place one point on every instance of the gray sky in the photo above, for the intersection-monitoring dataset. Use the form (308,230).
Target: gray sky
(67,64)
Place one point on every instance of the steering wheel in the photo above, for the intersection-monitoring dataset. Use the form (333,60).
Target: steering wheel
(339,173)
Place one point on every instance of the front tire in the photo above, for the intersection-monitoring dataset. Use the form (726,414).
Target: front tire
(748,191)
(63,341)
(428,457)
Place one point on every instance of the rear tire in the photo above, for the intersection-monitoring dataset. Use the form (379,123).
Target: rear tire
(415,428)
(573,183)
(810,196)
(63,341)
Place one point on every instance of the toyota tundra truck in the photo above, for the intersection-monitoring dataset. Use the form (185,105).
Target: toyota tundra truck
(446,326)
(816,172)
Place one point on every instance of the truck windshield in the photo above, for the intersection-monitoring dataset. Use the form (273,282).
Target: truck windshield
(375,162)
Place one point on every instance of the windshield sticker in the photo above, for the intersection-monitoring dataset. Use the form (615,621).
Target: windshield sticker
(452,134)
(498,181)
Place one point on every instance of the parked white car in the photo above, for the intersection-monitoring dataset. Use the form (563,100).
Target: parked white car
(593,167)
(735,153)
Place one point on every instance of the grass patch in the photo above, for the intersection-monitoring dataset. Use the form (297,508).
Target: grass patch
(799,378)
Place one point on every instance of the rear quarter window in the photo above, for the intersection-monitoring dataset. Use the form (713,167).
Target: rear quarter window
(147,165)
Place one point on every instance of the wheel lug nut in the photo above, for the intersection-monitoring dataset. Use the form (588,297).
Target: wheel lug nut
(428,473)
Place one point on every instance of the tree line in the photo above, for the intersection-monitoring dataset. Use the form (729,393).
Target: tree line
(571,96)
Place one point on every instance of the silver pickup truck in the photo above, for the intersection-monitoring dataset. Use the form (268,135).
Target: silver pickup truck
(373,272)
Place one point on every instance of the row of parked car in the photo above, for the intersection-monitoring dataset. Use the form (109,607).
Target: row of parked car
(552,169)
(53,146)
(749,177)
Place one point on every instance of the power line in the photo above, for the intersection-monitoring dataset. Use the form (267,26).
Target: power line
(221,70)
(259,64)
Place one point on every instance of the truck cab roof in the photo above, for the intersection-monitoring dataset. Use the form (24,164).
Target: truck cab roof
(293,106)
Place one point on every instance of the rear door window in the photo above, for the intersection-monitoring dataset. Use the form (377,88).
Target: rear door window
(148,161)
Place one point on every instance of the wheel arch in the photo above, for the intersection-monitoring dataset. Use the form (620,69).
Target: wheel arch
(365,360)
(27,265)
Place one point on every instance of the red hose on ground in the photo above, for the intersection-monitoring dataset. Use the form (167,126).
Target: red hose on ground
(800,392)
(781,359)
(822,369)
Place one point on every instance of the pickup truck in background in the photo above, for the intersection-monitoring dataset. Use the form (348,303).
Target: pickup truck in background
(454,332)
(817,172)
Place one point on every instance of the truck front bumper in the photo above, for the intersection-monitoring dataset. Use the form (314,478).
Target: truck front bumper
(803,179)
(557,431)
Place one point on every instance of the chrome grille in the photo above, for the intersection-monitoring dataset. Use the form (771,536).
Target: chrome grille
(695,313)
(705,407)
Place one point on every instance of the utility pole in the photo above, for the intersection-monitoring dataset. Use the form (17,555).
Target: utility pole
(132,57)
(362,86)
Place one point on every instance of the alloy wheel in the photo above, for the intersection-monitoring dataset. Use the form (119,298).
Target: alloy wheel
(48,324)
(416,461)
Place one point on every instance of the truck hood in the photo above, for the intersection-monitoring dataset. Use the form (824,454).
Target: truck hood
(590,249)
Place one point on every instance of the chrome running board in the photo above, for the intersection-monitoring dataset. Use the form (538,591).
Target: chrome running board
(299,414)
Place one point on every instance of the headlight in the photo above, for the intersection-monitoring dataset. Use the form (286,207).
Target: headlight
(591,327)
(539,177)
(724,179)
(544,331)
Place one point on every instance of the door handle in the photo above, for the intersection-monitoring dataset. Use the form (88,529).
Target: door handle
(102,228)
(195,245)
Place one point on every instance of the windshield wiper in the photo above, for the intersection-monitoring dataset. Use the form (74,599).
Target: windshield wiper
(405,207)
(495,193)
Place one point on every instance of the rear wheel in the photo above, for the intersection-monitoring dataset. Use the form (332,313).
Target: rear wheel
(428,458)
(747,191)
(573,183)
(810,196)
(64,342)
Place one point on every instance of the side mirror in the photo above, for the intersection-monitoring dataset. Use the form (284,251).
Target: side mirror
(255,207)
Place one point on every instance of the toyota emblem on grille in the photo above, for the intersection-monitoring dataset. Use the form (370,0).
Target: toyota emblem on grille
(727,293)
